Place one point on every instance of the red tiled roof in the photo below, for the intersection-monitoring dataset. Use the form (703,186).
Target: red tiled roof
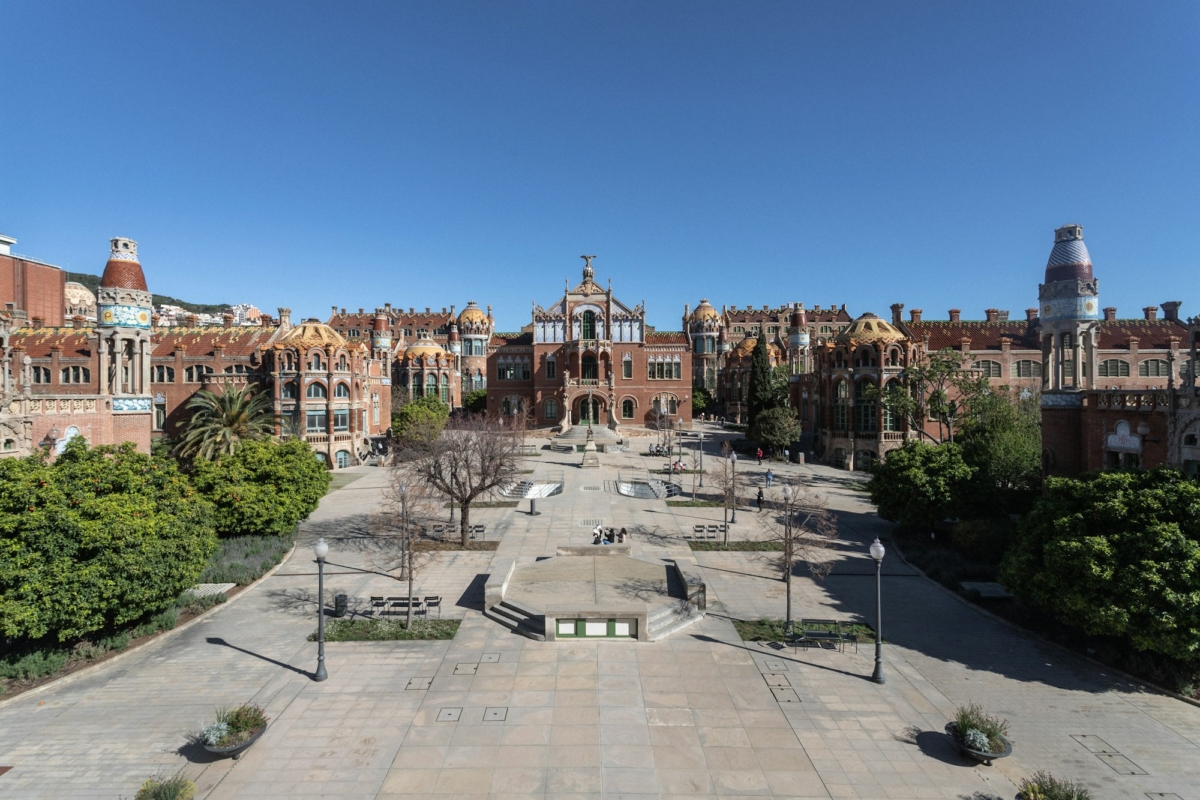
(501,339)
(36,342)
(123,275)
(983,335)
(1151,334)
(784,315)
(238,341)
(666,337)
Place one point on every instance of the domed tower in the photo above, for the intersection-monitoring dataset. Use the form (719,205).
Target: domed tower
(475,331)
(381,336)
(704,328)
(123,306)
(1069,303)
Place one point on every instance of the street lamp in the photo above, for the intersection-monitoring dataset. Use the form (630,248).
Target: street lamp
(320,550)
(788,550)
(733,486)
(679,435)
(877,552)
(702,457)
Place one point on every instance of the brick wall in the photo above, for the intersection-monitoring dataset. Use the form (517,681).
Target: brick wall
(34,288)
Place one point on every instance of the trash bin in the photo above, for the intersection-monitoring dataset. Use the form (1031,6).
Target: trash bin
(339,605)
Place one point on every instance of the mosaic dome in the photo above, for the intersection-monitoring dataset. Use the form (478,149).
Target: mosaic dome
(423,348)
(869,328)
(123,271)
(705,312)
(1069,260)
(312,333)
(472,315)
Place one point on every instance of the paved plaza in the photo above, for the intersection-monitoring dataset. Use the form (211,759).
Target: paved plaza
(494,715)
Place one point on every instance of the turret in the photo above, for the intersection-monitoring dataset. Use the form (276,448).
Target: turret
(381,337)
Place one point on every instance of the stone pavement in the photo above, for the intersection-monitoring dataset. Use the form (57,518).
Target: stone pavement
(492,714)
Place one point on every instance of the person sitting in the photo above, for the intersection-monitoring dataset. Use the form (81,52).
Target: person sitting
(623,534)
(596,539)
(609,535)
(621,537)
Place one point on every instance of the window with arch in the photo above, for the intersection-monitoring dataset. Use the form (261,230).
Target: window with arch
(288,391)
(431,385)
(865,357)
(551,409)
(41,374)
(893,357)
(341,391)
(1028,368)
(316,363)
(1154,368)
(75,375)
(826,329)
(587,328)
(343,364)
(989,369)
(418,388)
(627,409)
(551,368)
(446,389)
(316,391)
(287,362)
(1190,440)
(237,369)
(1113,368)
(841,407)
(164,374)
(195,374)
(627,367)
(865,420)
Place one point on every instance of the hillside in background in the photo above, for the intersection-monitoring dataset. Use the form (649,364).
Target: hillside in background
(92,282)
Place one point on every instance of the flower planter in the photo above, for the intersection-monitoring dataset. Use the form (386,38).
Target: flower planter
(984,758)
(237,749)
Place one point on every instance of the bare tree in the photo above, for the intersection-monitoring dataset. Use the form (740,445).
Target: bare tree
(473,456)
(729,482)
(802,523)
(694,466)
(401,526)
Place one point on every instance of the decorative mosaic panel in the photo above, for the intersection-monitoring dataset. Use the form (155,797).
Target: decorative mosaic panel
(1055,400)
(1071,308)
(128,316)
(131,404)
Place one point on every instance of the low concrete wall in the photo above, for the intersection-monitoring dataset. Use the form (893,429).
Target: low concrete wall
(594,549)
(689,576)
(634,612)
(497,583)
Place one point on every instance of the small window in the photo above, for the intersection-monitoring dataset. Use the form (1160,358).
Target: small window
(627,368)
(316,391)
(551,406)
(316,363)
(626,409)
(196,373)
(342,363)
(288,392)
(341,391)
(164,374)
(990,369)
(341,419)
(315,422)
(41,375)
(550,369)
(1114,368)
(1154,368)
(1028,368)
(75,375)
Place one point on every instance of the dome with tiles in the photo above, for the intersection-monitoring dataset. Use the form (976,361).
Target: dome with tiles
(705,313)
(869,328)
(423,348)
(312,333)
(472,315)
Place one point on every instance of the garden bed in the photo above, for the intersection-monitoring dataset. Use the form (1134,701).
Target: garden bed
(438,545)
(738,547)
(772,630)
(386,630)
(694,503)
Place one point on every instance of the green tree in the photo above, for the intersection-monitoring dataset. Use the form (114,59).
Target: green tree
(781,395)
(475,401)
(919,483)
(1118,554)
(420,422)
(1002,440)
(701,399)
(220,422)
(265,487)
(761,391)
(936,387)
(100,538)
(775,428)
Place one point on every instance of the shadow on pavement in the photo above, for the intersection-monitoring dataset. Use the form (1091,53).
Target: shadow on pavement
(472,596)
(221,642)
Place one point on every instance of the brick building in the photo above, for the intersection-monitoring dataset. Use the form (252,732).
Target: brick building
(589,358)
(33,287)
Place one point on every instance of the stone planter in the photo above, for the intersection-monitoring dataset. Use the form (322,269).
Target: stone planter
(984,758)
(237,749)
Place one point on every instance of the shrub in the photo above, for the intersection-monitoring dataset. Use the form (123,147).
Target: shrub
(982,539)
(421,421)
(33,665)
(190,604)
(1115,554)
(233,726)
(98,539)
(1044,786)
(265,487)
(475,401)
(775,428)
(177,788)
(245,559)
(381,630)
(919,484)
(973,726)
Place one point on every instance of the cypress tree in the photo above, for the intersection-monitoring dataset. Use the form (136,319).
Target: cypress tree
(761,396)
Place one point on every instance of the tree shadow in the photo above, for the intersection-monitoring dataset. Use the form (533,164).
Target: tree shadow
(217,640)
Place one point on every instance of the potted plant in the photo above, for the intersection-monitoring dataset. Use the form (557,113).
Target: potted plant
(978,735)
(1044,786)
(234,730)
(160,788)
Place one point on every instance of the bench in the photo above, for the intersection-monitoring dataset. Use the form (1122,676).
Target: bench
(820,632)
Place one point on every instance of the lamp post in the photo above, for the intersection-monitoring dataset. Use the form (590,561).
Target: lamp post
(877,552)
(788,550)
(733,486)
(701,458)
(404,524)
(320,550)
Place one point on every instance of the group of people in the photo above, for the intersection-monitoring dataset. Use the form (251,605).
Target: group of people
(659,450)
(602,535)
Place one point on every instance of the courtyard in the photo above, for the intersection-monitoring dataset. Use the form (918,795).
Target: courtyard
(491,714)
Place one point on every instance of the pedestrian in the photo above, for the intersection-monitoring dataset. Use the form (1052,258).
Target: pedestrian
(760,499)
(787,456)
(760,456)
(770,478)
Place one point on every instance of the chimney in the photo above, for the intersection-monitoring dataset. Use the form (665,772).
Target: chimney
(426,309)
(452,309)
(1110,313)
(79,321)
(1031,314)
(334,313)
(915,315)
(387,306)
(1003,315)
(992,314)
(897,313)
(227,320)
(285,317)
(955,314)
(1171,310)
(1151,312)
(191,320)
(38,322)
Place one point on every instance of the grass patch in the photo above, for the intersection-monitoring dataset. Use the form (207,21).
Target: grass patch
(245,559)
(437,545)
(695,503)
(771,630)
(386,630)
(738,547)
(340,480)
(489,503)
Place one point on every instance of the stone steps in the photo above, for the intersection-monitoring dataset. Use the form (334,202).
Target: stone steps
(664,621)
(518,619)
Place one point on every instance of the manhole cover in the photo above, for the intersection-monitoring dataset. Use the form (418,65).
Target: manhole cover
(465,669)
(1120,764)
(495,714)
(489,658)
(418,684)
(773,679)
(449,715)
(785,695)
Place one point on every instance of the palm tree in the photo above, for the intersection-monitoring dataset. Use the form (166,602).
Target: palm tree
(220,421)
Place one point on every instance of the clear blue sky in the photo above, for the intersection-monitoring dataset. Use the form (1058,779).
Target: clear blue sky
(311,154)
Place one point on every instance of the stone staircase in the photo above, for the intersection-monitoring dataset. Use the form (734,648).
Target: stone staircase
(519,619)
(664,621)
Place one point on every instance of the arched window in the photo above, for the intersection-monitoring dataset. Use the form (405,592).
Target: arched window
(288,391)
(431,385)
(164,374)
(865,420)
(287,362)
(1154,368)
(316,391)
(315,363)
(551,409)
(342,364)
(672,405)
(341,391)
(1028,368)
(75,375)
(446,389)
(41,374)
(864,358)
(1114,368)
(841,407)
(627,409)
(343,459)
(196,373)
(989,369)
(237,369)
(627,367)
(589,325)
(418,388)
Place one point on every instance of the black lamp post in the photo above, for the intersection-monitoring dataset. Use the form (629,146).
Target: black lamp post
(701,457)
(679,435)
(877,552)
(733,486)
(320,550)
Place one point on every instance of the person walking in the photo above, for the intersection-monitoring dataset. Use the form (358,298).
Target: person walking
(760,499)
(760,456)
(770,478)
